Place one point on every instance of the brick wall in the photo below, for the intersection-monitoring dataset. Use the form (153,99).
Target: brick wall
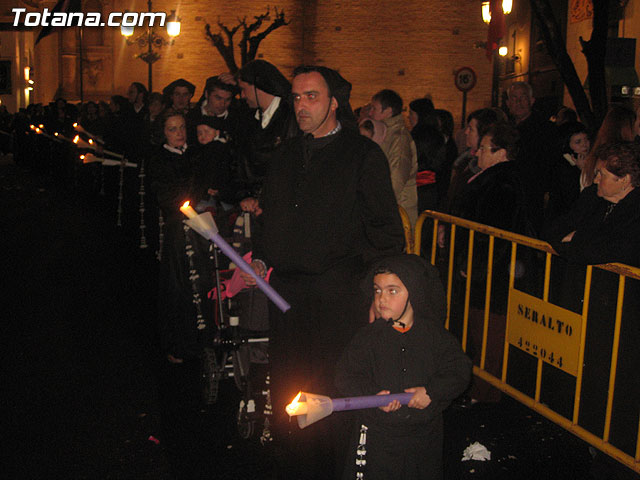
(412,47)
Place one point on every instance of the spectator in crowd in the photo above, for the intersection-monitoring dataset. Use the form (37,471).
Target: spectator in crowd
(212,177)
(178,94)
(328,208)
(406,349)
(376,131)
(430,151)
(603,225)
(617,126)
(400,150)
(421,110)
(495,197)
(466,165)
(137,95)
(566,170)
(564,115)
(217,99)
(267,91)
(534,150)
(445,124)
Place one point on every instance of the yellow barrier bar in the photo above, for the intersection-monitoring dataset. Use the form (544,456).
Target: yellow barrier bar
(467,292)
(452,245)
(583,339)
(512,271)
(406,227)
(614,359)
(434,243)
(545,297)
(580,432)
(417,234)
(547,277)
(619,268)
(487,302)
(481,228)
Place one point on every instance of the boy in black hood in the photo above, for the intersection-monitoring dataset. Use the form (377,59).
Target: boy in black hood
(406,349)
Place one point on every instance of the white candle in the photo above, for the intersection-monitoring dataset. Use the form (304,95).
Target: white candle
(188,210)
(296,408)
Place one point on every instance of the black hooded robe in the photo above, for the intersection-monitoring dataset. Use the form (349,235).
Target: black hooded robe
(406,443)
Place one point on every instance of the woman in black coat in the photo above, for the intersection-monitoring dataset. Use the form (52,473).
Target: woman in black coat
(604,227)
(171,178)
(494,197)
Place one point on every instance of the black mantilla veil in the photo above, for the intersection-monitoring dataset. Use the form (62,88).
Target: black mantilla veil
(266,76)
(421,279)
(339,88)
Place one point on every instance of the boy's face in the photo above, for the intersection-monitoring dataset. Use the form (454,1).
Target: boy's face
(390,297)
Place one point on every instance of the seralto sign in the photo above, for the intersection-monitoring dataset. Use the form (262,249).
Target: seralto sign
(544,330)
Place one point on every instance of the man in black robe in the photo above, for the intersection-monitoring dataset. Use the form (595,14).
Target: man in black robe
(328,208)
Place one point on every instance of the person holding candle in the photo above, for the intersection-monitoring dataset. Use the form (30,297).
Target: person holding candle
(170,175)
(406,349)
(327,208)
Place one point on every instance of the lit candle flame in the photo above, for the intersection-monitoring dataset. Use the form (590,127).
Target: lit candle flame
(76,139)
(32,127)
(37,130)
(188,210)
(296,407)
(55,133)
(41,126)
(90,141)
(75,124)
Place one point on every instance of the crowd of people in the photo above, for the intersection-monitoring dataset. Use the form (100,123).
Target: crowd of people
(318,187)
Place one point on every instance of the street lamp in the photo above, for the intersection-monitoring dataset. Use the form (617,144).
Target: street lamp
(151,41)
(507,5)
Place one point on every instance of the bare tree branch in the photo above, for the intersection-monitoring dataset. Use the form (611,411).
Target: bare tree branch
(250,41)
(254,42)
(557,50)
(225,49)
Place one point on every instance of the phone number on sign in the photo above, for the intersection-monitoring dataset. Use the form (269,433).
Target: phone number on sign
(540,352)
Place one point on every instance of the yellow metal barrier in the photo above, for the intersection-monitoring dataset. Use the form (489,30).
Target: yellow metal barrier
(623,271)
(408,232)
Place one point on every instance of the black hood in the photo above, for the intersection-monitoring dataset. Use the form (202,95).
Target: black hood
(422,281)
(266,77)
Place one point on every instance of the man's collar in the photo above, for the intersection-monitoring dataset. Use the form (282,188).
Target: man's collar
(179,151)
(266,116)
(205,113)
(335,130)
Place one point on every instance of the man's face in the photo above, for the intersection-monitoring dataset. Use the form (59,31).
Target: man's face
(132,93)
(180,98)
(218,101)
(377,112)
(519,103)
(471,131)
(315,110)
(248,93)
